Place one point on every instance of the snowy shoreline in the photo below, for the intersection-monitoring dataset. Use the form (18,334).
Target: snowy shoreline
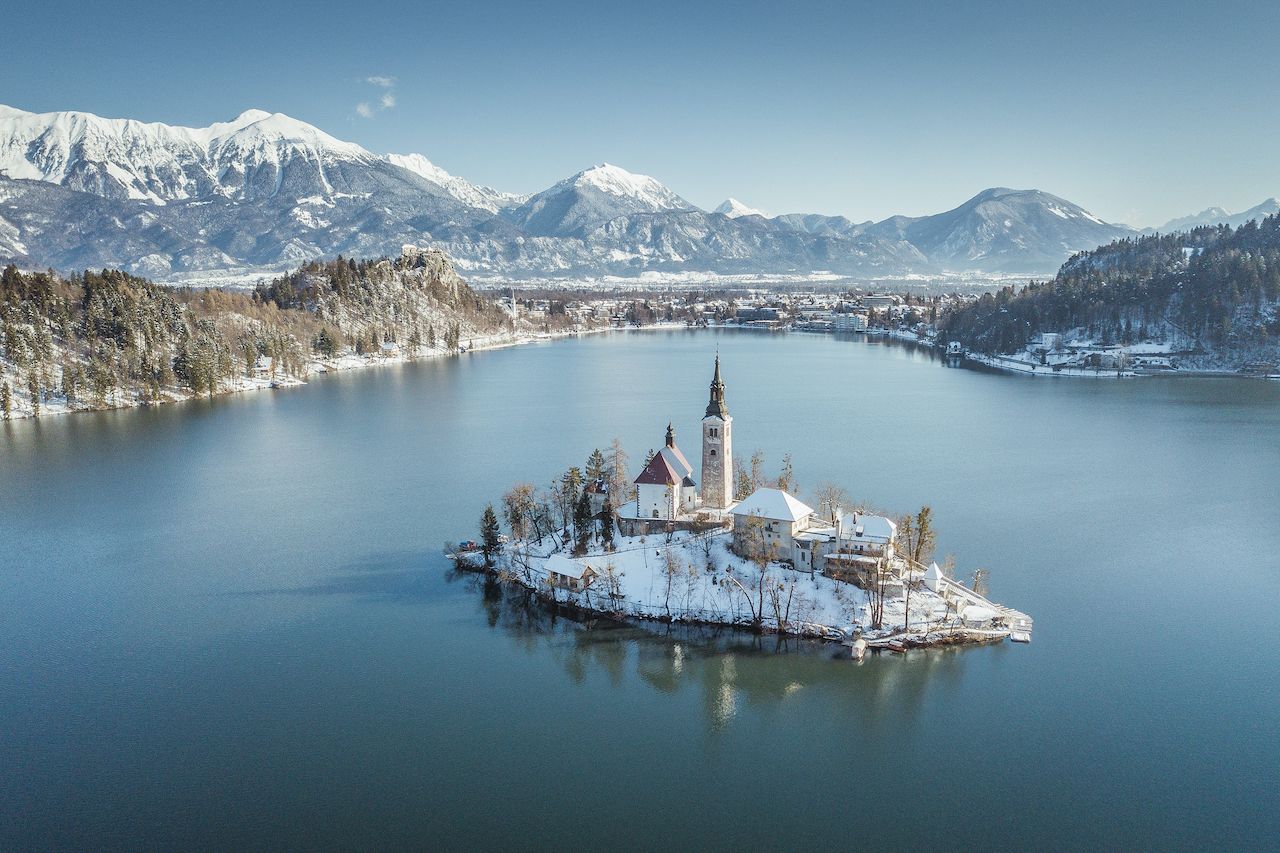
(711,586)
(57,405)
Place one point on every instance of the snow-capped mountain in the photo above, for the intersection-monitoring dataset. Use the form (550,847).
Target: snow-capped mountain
(1003,230)
(264,191)
(591,198)
(733,208)
(257,154)
(1218,216)
(485,198)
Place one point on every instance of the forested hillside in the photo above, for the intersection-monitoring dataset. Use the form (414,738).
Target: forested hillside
(107,339)
(1212,290)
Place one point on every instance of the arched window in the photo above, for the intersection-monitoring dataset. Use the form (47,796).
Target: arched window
(713,451)
(655,513)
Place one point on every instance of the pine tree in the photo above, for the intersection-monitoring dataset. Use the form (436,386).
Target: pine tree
(489,535)
(596,469)
(582,521)
(6,401)
(606,525)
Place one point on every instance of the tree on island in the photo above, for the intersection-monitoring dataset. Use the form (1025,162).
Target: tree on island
(490,535)
(582,522)
(919,537)
(619,480)
(596,469)
(567,499)
(787,477)
(606,525)
(518,507)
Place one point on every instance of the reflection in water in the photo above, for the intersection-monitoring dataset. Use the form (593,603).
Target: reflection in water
(885,690)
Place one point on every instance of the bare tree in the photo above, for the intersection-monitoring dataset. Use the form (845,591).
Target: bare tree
(829,497)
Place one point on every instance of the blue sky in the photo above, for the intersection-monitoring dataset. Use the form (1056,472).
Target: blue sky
(1138,111)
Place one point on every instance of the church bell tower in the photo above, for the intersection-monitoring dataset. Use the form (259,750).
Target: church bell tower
(717,448)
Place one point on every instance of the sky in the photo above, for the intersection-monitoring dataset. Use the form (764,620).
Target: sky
(1139,111)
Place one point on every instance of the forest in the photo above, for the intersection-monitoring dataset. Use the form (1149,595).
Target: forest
(1211,288)
(106,339)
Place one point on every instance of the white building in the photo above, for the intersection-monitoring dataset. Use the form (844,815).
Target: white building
(769,520)
(666,492)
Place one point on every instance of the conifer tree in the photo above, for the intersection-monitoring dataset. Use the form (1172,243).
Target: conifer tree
(6,401)
(606,525)
(582,521)
(489,535)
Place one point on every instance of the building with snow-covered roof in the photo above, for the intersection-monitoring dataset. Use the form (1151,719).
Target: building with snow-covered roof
(667,495)
(768,520)
(566,573)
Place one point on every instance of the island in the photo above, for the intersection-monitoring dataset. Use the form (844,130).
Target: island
(730,551)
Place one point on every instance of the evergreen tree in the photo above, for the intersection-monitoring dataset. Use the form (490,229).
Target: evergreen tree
(606,525)
(582,521)
(489,535)
(6,401)
(596,467)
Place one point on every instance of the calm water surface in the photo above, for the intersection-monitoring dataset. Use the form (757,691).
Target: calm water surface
(228,623)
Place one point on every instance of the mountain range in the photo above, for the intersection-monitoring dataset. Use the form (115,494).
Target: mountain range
(264,192)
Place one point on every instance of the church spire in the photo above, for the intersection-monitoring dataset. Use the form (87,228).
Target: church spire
(671,435)
(716,407)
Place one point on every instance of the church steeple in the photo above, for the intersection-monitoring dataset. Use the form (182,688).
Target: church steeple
(716,407)
(671,435)
(717,448)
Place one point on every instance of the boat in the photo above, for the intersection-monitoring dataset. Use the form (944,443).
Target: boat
(1020,636)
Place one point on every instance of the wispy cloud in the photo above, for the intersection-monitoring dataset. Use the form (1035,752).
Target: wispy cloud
(385,101)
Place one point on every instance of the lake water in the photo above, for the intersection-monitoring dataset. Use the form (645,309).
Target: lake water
(229,623)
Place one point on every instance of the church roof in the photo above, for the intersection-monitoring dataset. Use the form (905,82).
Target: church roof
(773,504)
(716,407)
(668,467)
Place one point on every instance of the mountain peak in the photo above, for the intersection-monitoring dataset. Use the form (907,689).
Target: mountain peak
(733,208)
(617,181)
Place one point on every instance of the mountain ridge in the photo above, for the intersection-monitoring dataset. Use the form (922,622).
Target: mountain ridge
(265,191)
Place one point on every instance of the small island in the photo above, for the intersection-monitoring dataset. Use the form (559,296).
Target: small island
(732,551)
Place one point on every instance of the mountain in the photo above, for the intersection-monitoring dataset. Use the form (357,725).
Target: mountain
(484,198)
(1218,216)
(733,208)
(817,223)
(264,192)
(591,198)
(1003,230)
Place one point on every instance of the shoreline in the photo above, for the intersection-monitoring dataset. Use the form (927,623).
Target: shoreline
(826,609)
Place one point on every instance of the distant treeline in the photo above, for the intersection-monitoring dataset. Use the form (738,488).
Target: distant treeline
(1215,286)
(99,339)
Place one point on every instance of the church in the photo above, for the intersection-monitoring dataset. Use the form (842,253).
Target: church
(667,496)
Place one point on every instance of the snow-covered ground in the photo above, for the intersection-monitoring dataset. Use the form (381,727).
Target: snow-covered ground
(54,403)
(695,578)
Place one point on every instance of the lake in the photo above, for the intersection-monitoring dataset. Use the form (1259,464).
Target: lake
(229,623)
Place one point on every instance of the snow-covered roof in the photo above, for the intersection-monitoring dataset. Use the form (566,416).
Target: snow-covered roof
(773,504)
(875,527)
(569,568)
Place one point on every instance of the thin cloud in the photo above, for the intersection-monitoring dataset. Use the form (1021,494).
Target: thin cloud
(386,101)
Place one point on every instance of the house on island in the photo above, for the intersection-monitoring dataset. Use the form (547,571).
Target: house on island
(565,573)
(667,496)
(768,521)
(852,547)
